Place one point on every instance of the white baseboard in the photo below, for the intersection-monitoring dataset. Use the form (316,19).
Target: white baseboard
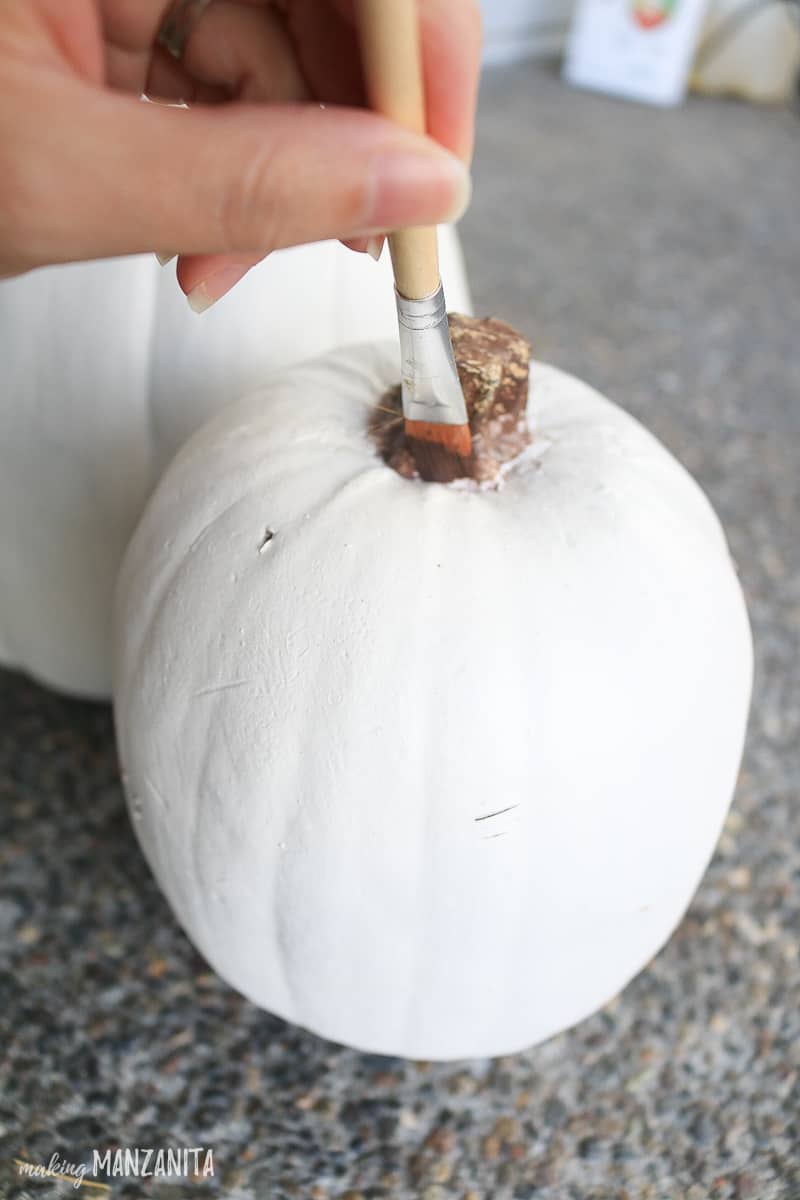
(518,29)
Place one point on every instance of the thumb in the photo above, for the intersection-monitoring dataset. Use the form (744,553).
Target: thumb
(244,178)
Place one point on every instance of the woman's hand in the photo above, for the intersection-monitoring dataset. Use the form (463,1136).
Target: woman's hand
(88,170)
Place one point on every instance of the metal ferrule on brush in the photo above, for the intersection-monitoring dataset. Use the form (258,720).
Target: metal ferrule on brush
(431,388)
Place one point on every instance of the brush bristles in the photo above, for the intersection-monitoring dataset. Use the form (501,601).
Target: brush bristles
(441,452)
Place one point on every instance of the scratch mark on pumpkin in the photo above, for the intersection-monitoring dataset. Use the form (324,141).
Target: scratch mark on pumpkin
(489,836)
(156,793)
(500,811)
(223,687)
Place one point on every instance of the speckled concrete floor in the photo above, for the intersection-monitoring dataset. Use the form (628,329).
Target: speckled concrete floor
(658,255)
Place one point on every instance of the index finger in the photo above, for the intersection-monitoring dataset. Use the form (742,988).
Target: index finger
(451,52)
(451,55)
(450,35)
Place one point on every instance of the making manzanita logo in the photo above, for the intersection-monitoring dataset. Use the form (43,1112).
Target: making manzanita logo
(58,1168)
(173,1162)
(187,1162)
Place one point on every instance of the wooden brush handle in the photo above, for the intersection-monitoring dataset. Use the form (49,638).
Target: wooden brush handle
(392,62)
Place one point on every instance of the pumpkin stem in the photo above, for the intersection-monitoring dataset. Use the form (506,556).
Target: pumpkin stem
(492,360)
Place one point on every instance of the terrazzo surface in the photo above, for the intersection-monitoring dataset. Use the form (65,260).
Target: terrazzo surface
(656,254)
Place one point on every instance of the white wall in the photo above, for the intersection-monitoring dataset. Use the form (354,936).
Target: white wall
(515,29)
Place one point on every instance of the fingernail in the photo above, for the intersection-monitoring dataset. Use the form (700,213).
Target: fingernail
(165,258)
(417,189)
(359,244)
(372,245)
(212,289)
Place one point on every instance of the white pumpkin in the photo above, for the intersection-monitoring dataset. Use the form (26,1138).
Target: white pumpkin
(104,372)
(430,770)
(757,58)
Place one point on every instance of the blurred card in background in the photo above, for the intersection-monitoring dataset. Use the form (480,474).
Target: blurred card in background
(639,49)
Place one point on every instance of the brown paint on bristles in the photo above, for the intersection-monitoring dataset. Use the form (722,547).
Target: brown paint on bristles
(441,452)
(456,438)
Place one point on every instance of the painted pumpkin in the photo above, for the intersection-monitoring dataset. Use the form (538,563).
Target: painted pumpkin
(430,770)
(104,372)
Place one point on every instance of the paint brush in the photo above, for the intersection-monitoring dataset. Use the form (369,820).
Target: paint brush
(434,410)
